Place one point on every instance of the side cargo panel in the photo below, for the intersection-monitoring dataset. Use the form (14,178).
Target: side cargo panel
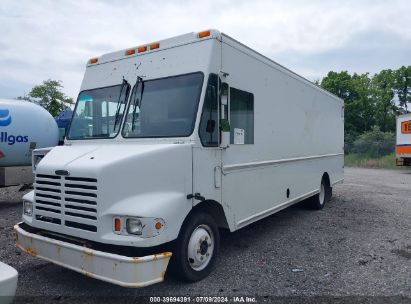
(297,135)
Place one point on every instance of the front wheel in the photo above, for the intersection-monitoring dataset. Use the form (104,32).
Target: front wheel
(196,248)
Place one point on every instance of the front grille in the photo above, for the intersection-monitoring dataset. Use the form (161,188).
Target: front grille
(68,201)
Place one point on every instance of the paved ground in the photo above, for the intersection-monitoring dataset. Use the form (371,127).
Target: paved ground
(359,244)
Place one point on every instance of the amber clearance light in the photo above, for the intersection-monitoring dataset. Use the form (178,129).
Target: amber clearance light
(154,46)
(142,49)
(130,52)
(204,34)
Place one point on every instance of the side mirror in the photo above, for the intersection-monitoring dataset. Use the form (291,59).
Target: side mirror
(210,126)
(225,133)
(224,123)
(224,100)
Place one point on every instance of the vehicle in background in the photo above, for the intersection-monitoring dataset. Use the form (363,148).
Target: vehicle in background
(24,126)
(403,140)
(8,283)
(171,141)
(63,122)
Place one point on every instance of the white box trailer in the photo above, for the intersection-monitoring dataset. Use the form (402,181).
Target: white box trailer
(169,142)
(403,140)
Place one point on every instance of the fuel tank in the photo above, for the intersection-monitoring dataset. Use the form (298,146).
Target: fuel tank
(24,126)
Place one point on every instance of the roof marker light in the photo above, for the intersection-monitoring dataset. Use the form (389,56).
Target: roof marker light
(154,46)
(204,34)
(142,49)
(93,60)
(130,52)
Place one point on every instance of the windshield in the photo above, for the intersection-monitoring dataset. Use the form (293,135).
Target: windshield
(99,112)
(164,107)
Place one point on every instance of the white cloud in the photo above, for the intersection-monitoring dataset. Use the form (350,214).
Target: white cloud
(54,39)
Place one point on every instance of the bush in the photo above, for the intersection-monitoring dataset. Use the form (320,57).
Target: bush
(349,139)
(374,143)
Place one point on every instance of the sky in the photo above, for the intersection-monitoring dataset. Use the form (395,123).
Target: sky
(42,39)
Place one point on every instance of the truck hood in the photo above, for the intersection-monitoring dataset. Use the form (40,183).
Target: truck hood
(121,171)
(90,160)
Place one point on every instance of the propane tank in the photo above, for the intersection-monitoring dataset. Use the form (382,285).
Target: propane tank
(24,126)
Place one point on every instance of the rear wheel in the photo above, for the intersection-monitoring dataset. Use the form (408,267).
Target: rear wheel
(317,202)
(196,248)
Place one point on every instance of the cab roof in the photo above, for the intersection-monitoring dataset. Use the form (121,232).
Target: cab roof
(155,46)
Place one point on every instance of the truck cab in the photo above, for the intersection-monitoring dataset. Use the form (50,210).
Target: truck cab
(123,180)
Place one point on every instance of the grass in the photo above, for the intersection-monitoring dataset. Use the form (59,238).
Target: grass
(363,161)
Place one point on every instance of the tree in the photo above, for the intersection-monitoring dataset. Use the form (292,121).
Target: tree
(49,95)
(358,104)
(24,97)
(402,86)
(382,90)
(339,84)
(363,104)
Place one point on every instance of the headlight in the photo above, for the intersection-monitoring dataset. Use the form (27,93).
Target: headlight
(144,227)
(134,226)
(27,208)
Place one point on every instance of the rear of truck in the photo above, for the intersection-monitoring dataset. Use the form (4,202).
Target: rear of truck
(403,140)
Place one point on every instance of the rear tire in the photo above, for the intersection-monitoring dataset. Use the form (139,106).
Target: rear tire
(318,201)
(196,248)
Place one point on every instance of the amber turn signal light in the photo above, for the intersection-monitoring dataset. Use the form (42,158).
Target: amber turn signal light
(117,225)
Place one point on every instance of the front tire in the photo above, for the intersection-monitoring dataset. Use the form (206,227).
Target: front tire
(196,248)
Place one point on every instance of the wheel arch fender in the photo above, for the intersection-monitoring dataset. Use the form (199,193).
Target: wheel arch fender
(211,207)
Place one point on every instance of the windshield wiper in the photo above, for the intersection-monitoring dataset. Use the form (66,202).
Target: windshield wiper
(119,102)
(137,101)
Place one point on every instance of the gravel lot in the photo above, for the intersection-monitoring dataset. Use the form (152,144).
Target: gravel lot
(359,244)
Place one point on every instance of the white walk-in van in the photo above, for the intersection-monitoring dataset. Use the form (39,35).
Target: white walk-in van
(403,140)
(169,142)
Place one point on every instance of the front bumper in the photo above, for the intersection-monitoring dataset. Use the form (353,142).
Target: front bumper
(117,269)
(403,160)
